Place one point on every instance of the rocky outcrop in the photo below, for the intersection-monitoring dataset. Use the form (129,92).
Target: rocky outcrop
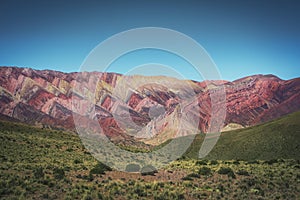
(142,107)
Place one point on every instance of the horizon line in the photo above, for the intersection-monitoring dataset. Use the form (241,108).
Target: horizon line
(69,72)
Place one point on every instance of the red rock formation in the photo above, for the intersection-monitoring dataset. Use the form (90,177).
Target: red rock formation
(45,97)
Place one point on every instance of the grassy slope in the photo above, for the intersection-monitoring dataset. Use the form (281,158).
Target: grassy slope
(276,139)
(32,159)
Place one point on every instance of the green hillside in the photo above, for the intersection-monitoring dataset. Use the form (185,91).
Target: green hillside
(273,140)
(49,164)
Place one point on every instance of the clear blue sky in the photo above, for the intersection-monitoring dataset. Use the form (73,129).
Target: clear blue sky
(242,37)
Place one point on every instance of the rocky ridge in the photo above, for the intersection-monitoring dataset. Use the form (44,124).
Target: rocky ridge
(151,109)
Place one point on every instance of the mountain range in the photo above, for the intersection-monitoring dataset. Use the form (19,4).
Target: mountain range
(143,108)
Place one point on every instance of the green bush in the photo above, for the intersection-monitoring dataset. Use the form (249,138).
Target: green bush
(90,177)
(38,173)
(250,182)
(190,177)
(139,190)
(226,170)
(201,162)
(59,173)
(204,171)
(76,161)
(221,188)
(100,168)
(243,173)
(187,178)
(214,162)
(253,162)
(236,162)
(271,162)
(100,196)
(194,175)
(87,197)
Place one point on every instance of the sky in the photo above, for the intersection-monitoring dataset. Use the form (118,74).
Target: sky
(241,37)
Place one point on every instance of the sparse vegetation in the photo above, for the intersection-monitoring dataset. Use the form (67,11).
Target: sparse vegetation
(58,173)
(227,170)
(205,171)
(100,168)
(52,164)
(243,172)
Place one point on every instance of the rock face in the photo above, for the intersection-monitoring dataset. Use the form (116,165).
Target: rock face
(149,108)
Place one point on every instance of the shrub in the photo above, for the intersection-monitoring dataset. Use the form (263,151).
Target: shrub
(100,168)
(253,162)
(250,182)
(221,188)
(270,162)
(87,197)
(96,170)
(38,173)
(193,175)
(148,170)
(236,162)
(90,177)
(76,161)
(45,196)
(205,171)
(139,190)
(59,173)
(243,173)
(201,162)
(226,170)
(213,162)
(190,177)
(187,178)
(159,197)
(100,196)
(132,168)
(231,174)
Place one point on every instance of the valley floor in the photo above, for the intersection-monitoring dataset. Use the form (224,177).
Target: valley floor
(47,164)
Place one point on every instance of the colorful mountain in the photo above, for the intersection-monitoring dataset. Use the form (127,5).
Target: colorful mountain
(151,109)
